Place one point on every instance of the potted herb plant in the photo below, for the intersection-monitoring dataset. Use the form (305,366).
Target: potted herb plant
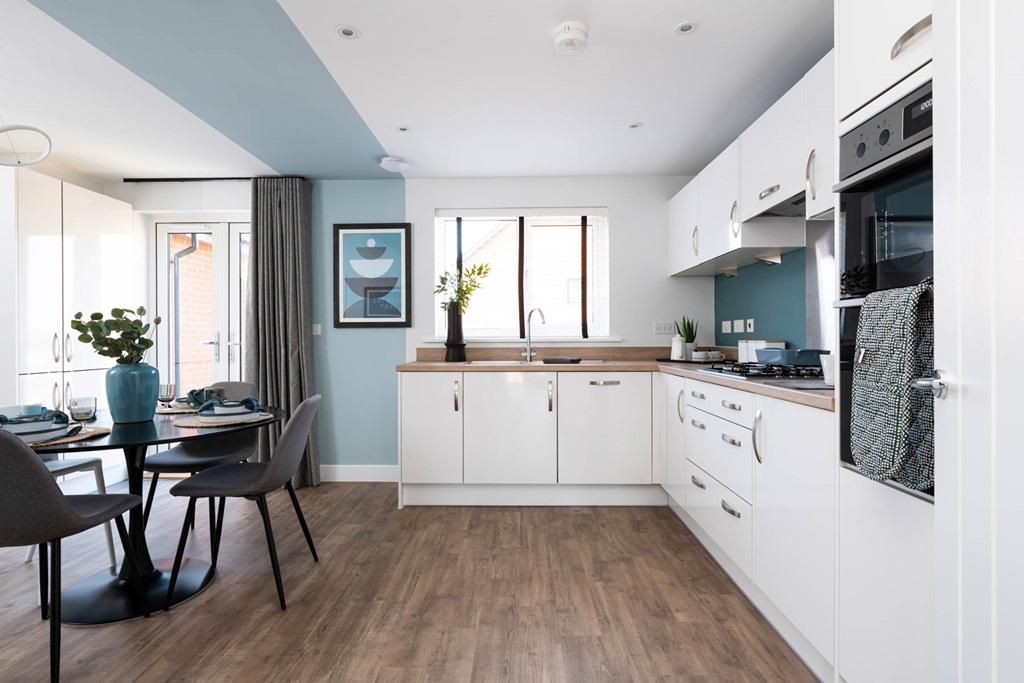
(132,384)
(455,289)
(687,329)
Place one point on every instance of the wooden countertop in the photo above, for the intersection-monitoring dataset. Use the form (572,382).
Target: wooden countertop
(823,399)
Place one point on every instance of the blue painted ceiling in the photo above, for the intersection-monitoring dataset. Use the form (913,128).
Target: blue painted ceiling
(243,68)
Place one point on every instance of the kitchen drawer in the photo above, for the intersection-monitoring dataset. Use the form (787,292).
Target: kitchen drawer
(721,514)
(722,449)
(731,404)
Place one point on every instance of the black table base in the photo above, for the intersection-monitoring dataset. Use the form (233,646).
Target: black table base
(104,598)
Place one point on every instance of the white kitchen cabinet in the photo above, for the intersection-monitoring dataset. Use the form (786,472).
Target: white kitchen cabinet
(102,266)
(510,428)
(683,229)
(722,449)
(886,583)
(40,318)
(46,388)
(604,428)
(721,514)
(675,485)
(794,515)
(878,44)
(820,169)
(431,427)
(773,155)
(719,191)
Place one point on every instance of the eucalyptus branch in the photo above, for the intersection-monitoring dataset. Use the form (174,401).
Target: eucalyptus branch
(122,336)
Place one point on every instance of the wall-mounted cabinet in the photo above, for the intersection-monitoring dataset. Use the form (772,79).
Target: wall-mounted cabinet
(820,165)
(684,238)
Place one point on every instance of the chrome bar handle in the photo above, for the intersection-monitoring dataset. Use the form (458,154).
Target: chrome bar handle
(935,385)
(753,436)
(551,396)
(67,394)
(809,177)
(733,222)
(698,425)
(68,348)
(679,406)
(908,35)
(55,347)
(731,510)
(55,395)
(732,406)
(694,240)
(767,191)
(697,482)
(731,441)
(605,382)
(698,395)
(456,395)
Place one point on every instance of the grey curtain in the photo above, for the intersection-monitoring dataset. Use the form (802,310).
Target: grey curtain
(278,335)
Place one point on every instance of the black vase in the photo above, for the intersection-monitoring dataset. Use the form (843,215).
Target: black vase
(455,345)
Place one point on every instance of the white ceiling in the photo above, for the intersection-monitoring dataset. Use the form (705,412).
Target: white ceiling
(104,120)
(484,94)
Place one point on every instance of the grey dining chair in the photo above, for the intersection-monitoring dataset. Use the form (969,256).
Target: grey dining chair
(36,512)
(190,457)
(252,480)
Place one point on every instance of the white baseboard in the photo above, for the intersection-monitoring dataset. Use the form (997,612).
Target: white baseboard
(531,494)
(359,473)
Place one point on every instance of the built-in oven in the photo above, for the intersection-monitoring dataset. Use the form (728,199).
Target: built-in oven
(885,230)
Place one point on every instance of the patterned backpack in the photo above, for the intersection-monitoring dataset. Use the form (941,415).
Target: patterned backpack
(892,424)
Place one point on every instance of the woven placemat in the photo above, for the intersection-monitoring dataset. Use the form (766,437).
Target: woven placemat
(196,422)
(84,435)
(182,410)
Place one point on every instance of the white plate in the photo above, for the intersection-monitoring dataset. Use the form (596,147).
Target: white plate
(48,435)
(233,419)
(230,410)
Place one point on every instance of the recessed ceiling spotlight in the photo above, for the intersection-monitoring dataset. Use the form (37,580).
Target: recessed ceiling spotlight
(347,32)
(394,164)
(570,38)
(636,124)
(686,27)
(403,129)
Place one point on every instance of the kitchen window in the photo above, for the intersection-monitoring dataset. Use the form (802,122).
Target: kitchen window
(555,260)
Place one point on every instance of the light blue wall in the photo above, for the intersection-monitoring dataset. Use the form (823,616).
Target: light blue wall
(355,368)
(774,296)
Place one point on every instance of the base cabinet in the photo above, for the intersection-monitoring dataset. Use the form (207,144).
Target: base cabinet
(604,428)
(511,428)
(431,428)
(723,515)
(675,484)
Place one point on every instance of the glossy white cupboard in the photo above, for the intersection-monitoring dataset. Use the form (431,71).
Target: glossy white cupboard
(878,44)
(719,222)
(820,172)
(431,427)
(674,389)
(510,428)
(684,238)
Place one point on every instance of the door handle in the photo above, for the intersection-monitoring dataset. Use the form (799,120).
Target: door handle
(767,191)
(55,347)
(679,406)
(68,348)
(697,482)
(908,35)
(734,224)
(605,382)
(55,395)
(698,425)
(936,385)
(731,441)
(551,396)
(215,343)
(694,240)
(731,510)
(67,394)
(697,394)
(456,396)
(809,177)
(732,406)
(753,436)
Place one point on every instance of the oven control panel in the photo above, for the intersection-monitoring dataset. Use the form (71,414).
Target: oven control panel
(892,130)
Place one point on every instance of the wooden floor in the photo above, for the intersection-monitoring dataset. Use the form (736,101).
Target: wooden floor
(438,594)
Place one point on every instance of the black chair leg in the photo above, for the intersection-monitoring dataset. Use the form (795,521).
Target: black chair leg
(192,522)
(189,515)
(213,520)
(302,521)
(215,550)
(149,498)
(44,579)
(261,502)
(55,610)
(135,576)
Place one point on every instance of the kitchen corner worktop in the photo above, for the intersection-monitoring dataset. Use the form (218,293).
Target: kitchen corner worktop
(823,399)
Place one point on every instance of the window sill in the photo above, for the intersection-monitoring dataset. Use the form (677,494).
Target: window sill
(543,341)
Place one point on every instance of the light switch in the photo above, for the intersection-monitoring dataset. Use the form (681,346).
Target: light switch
(737,326)
(750,324)
(664,328)
(316,329)
(726,327)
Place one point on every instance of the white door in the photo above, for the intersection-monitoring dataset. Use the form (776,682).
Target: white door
(431,428)
(46,388)
(683,232)
(104,267)
(878,43)
(794,515)
(40,318)
(201,293)
(675,437)
(604,428)
(820,175)
(510,427)
(719,203)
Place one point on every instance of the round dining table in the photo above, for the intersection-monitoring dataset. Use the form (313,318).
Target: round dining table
(104,597)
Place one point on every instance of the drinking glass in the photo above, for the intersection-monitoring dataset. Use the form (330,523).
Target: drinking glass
(82,408)
(167,394)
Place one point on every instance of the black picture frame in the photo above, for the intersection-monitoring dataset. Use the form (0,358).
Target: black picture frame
(375,320)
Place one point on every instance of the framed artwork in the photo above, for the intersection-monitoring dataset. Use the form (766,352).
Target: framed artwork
(372,275)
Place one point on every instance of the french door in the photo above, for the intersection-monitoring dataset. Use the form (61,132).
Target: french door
(202,294)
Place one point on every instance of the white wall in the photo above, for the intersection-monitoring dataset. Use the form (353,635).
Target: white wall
(641,293)
(8,286)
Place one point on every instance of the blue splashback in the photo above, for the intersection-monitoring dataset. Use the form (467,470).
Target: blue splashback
(774,296)
(242,67)
(355,368)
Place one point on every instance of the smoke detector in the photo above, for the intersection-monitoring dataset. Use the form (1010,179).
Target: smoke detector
(394,164)
(570,38)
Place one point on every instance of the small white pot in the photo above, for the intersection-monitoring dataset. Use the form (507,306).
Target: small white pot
(690,348)
(678,348)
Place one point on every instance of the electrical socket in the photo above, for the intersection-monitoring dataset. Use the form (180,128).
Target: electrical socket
(664,328)
(750,324)
(737,326)
(316,329)
(726,327)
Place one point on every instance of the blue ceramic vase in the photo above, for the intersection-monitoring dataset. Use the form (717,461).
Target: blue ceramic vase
(132,390)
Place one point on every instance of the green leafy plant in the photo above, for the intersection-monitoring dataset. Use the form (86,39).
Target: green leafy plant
(687,329)
(121,336)
(456,290)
